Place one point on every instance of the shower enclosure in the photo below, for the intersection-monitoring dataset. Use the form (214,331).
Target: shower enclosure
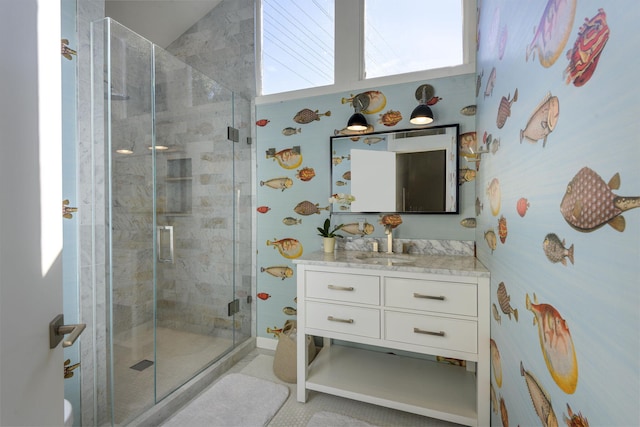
(175,228)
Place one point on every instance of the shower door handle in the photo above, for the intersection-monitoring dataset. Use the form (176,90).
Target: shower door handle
(164,243)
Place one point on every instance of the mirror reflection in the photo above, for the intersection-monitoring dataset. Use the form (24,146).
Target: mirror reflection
(404,171)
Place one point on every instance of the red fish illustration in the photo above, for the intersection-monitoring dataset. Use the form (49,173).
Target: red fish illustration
(263,296)
(263,209)
(584,57)
(553,31)
(556,344)
(262,122)
(502,229)
(288,247)
(522,206)
(589,203)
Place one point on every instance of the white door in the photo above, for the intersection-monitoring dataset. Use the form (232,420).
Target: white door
(31,374)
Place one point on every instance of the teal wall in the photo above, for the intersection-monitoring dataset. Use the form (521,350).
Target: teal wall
(586,309)
(276,296)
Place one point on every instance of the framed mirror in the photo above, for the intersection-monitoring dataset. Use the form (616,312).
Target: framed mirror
(404,171)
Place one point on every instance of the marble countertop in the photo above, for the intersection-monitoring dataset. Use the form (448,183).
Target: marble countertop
(417,263)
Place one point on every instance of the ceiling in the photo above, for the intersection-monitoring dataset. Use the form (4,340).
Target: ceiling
(160,21)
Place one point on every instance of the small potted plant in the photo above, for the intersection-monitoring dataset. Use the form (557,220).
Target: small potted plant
(329,236)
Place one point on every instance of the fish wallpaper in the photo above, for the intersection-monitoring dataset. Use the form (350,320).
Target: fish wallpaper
(550,182)
(293,184)
(558,228)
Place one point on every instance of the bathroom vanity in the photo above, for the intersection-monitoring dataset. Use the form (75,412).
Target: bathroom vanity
(409,332)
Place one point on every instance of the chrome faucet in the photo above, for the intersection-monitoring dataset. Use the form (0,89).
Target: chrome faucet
(388,230)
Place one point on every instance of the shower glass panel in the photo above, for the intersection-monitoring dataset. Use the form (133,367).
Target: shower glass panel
(171,213)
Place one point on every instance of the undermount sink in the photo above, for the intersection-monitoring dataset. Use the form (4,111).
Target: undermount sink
(384,259)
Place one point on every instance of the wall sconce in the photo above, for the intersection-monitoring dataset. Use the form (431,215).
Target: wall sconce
(422,114)
(358,121)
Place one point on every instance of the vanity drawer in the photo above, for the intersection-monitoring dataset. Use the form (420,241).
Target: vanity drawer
(364,322)
(432,331)
(431,295)
(356,288)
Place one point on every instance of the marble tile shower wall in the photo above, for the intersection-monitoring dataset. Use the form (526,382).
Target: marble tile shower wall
(193,291)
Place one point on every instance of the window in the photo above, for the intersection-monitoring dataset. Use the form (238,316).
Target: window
(297,44)
(402,36)
(343,44)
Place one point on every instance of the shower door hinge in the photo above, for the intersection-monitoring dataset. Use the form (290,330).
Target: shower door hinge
(233,134)
(234,307)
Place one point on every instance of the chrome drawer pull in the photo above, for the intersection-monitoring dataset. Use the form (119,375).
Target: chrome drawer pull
(440,298)
(420,331)
(335,319)
(340,288)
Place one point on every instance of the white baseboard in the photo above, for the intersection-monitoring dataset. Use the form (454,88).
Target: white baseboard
(266,343)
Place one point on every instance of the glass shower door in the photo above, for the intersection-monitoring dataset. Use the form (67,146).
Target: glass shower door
(170,221)
(194,222)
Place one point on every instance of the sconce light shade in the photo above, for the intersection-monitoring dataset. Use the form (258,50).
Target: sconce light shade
(357,122)
(421,115)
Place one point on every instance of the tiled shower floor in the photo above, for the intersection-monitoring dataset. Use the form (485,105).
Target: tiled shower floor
(177,353)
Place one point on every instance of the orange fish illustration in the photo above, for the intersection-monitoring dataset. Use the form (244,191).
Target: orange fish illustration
(504,415)
(288,247)
(589,203)
(496,363)
(263,296)
(556,344)
(584,57)
(540,399)
(263,209)
(305,174)
(262,122)
(280,271)
(289,158)
(553,31)
(391,220)
(390,118)
(575,420)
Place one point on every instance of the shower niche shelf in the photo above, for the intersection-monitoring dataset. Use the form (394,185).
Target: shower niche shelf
(178,184)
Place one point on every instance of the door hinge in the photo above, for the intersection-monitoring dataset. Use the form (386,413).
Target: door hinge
(234,307)
(233,134)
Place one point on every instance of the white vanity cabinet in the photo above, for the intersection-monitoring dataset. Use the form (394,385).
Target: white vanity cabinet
(405,313)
